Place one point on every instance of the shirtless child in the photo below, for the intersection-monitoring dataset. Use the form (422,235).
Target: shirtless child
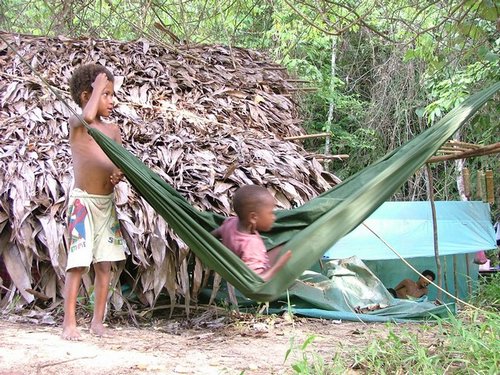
(254,207)
(409,288)
(94,230)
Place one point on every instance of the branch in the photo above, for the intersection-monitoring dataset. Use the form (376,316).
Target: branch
(311,23)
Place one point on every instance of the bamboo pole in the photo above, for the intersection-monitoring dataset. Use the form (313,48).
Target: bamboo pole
(455,278)
(434,227)
(307,136)
(466,181)
(487,150)
(445,276)
(479,185)
(454,148)
(274,68)
(328,157)
(460,143)
(467,267)
(298,80)
(307,89)
(490,196)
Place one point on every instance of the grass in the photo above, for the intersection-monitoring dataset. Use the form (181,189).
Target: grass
(311,363)
(487,295)
(468,343)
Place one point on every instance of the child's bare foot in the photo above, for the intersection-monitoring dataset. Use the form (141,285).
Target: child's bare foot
(71,333)
(98,329)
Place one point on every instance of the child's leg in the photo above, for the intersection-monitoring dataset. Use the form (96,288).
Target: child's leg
(101,287)
(71,287)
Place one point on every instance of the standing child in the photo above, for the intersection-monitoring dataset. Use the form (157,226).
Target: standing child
(94,230)
(254,207)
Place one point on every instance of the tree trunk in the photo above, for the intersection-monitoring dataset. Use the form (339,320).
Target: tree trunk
(331,107)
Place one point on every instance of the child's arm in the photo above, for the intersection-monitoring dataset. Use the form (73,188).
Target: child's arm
(280,263)
(402,284)
(216,232)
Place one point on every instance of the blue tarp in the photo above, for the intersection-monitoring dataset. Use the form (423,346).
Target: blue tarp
(347,290)
(463,227)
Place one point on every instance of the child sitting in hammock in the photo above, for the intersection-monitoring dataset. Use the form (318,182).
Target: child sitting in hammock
(254,207)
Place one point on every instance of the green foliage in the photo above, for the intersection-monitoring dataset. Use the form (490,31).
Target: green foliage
(311,363)
(401,352)
(398,66)
(111,19)
(450,92)
(459,346)
(487,293)
(465,345)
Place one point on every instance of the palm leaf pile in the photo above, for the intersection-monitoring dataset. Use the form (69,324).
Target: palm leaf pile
(206,118)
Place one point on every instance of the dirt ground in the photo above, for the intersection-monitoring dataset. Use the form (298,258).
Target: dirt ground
(209,342)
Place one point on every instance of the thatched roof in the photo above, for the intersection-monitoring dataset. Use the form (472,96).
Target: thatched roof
(206,118)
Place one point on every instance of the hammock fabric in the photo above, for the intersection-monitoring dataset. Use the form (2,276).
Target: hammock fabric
(309,230)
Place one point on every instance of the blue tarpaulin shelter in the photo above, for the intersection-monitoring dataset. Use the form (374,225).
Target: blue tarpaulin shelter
(463,229)
(356,271)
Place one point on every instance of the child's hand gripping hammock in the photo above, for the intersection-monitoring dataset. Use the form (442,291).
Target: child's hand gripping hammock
(309,230)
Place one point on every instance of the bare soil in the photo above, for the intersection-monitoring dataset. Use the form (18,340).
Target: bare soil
(208,342)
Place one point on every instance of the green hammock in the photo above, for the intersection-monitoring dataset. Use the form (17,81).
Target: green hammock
(308,230)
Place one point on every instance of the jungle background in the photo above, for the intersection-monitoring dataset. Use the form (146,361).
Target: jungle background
(372,74)
(377,72)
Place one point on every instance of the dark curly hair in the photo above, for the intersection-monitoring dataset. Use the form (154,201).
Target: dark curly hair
(82,80)
(429,273)
(249,198)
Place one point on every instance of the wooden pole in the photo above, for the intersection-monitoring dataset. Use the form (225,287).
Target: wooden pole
(490,196)
(486,150)
(434,227)
(329,157)
(445,276)
(467,267)
(479,185)
(454,142)
(455,278)
(307,136)
(466,179)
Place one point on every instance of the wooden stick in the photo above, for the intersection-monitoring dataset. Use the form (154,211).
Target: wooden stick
(467,267)
(450,152)
(466,179)
(490,196)
(274,68)
(297,80)
(307,136)
(486,150)
(328,157)
(452,148)
(471,145)
(434,228)
(479,185)
(303,89)
(445,275)
(455,276)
